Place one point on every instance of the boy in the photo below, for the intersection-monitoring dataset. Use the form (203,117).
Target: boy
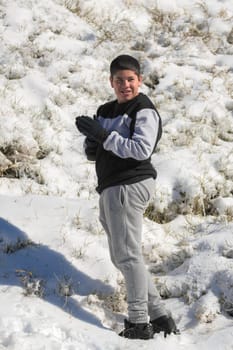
(121,139)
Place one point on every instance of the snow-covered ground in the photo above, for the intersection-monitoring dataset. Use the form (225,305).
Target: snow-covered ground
(58,288)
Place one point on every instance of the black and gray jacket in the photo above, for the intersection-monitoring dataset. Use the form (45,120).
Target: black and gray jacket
(125,156)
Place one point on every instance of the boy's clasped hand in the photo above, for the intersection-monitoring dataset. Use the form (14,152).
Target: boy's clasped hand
(91,128)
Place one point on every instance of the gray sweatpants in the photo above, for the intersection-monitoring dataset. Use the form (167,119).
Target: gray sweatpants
(121,214)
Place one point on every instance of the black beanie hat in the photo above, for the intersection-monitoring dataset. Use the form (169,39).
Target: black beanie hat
(123,62)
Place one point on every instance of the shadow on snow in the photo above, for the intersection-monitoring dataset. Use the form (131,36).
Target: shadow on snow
(22,259)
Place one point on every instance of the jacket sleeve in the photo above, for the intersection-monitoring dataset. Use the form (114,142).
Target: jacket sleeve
(141,144)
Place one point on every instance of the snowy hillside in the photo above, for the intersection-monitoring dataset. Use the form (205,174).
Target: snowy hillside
(58,288)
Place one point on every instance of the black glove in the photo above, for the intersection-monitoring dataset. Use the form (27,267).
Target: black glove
(90,148)
(91,128)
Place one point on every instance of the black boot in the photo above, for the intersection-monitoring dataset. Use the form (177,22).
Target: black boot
(164,324)
(137,330)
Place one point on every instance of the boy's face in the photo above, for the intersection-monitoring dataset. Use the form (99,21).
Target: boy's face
(126,85)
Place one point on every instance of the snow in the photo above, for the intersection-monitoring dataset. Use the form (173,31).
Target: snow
(58,287)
